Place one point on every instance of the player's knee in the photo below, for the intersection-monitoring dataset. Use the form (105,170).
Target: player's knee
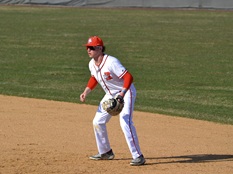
(94,122)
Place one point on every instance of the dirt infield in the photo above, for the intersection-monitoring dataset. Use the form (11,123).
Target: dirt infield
(40,136)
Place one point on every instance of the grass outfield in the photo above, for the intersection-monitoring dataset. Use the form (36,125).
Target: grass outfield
(181,60)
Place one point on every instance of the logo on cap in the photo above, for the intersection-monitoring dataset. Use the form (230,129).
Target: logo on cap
(89,40)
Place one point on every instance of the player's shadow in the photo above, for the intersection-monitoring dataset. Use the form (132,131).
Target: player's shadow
(199,158)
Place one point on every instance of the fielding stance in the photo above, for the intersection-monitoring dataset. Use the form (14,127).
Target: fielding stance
(116,81)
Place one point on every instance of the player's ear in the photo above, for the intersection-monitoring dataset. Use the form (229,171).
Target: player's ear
(101,48)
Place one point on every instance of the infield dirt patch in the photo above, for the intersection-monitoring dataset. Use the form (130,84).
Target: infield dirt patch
(41,136)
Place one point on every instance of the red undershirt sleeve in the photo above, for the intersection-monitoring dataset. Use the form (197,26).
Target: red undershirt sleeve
(92,83)
(128,79)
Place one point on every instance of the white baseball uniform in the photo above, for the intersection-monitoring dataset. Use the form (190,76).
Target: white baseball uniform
(109,75)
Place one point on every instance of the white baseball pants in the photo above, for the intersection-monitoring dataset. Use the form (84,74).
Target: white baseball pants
(126,122)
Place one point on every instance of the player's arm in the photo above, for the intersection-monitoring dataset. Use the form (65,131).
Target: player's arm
(90,86)
(128,79)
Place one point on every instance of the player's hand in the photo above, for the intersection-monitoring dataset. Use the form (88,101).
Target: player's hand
(83,97)
(84,94)
(120,99)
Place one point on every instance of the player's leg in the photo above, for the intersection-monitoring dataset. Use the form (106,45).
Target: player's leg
(127,125)
(100,129)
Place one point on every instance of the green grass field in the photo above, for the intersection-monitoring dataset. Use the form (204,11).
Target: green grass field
(181,60)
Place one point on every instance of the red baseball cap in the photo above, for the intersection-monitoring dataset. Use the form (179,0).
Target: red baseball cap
(94,41)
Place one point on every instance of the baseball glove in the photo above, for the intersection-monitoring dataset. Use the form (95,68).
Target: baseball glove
(114,105)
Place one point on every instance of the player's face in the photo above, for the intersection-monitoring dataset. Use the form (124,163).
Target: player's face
(94,51)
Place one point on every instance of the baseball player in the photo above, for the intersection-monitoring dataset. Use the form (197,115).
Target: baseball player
(115,80)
